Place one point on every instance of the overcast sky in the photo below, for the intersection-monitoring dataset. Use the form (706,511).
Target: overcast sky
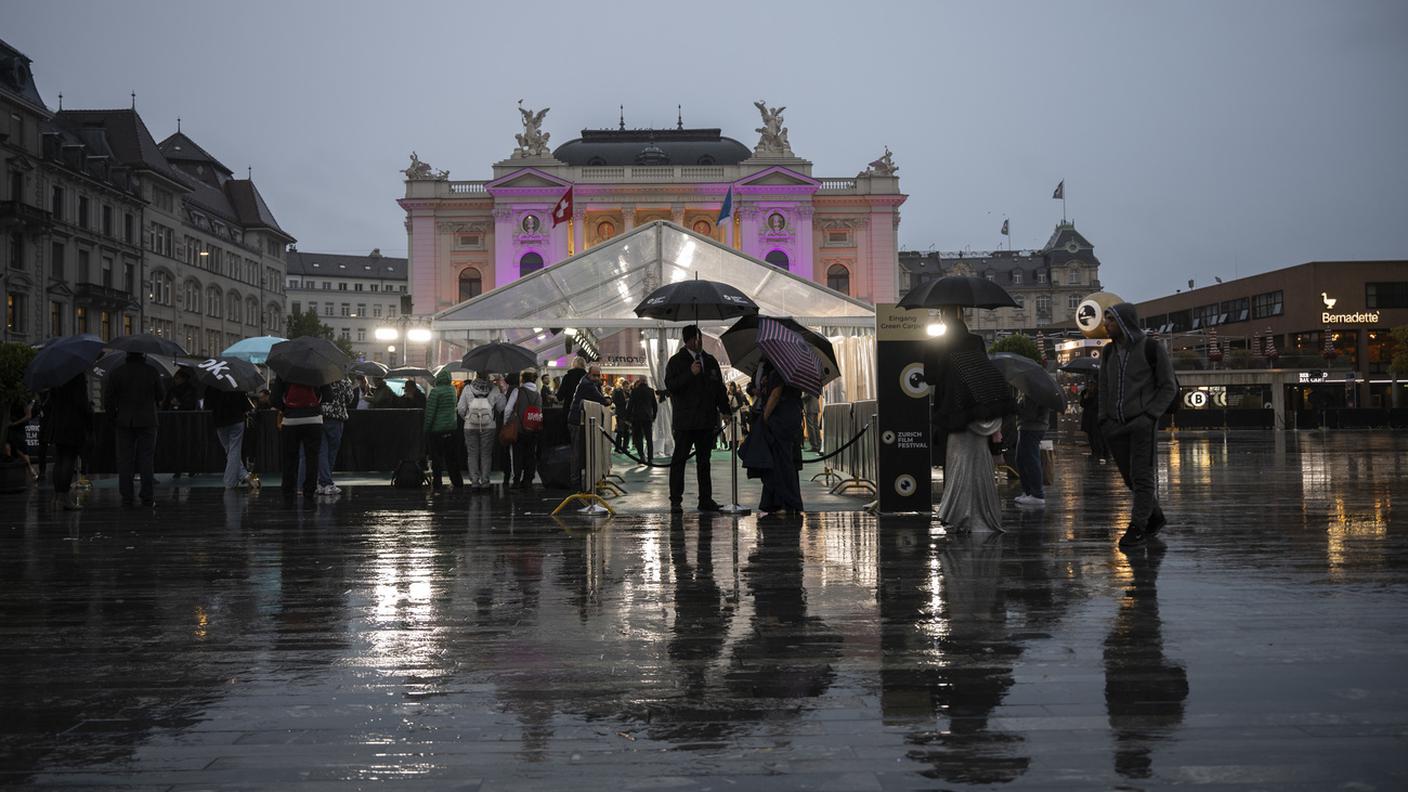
(1195,138)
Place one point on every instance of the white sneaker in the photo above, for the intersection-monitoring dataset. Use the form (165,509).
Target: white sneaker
(1031,501)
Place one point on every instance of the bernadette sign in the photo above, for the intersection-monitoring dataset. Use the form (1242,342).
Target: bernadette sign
(1362,317)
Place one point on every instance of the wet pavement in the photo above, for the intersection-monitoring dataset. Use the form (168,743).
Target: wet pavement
(394,640)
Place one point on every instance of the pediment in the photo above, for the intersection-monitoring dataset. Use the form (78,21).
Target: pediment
(526,178)
(778,176)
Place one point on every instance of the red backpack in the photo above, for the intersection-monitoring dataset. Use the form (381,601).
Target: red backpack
(301,396)
(532,418)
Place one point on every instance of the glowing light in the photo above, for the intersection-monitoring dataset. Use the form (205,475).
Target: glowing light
(387,334)
(418,335)
(937,329)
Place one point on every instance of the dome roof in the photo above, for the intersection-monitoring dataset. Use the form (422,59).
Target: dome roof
(652,147)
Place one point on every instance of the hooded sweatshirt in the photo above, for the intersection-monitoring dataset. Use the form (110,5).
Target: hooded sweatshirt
(1128,386)
(440,405)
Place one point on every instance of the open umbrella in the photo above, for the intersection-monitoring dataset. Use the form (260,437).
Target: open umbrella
(406,372)
(61,360)
(149,344)
(308,360)
(1027,376)
(229,374)
(741,344)
(693,300)
(498,357)
(793,358)
(962,290)
(1083,365)
(105,364)
(255,350)
(370,368)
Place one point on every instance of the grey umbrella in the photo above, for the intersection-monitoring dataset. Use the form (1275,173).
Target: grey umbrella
(1028,376)
(961,290)
(1083,365)
(148,344)
(693,300)
(229,374)
(498,357)
(308,360)
(62,359)
(107,363)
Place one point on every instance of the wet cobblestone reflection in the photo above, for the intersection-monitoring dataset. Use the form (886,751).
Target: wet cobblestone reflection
(235,641)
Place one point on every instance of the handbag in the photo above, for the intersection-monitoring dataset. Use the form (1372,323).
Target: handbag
(508,435)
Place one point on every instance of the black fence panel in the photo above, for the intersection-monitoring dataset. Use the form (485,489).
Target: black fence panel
(1251,419)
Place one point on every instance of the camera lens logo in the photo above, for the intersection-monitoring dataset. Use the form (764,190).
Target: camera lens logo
(905,485)
(887,437)
(912,381)
(1088,315)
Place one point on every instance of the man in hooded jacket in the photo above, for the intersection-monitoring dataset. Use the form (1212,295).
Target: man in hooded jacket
(1136,386)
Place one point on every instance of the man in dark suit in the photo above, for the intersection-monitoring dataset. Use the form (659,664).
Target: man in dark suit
(698,398)
(131,397)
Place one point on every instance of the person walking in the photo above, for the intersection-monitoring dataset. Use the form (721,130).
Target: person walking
(641,408)
(811,406)
(301,430)
(620,400)
(698,399)
(526,407)
(440,432)
(477,408)
(131,396)
(228,412)
(970,400)
(68,418)
(1136,386)
(1032,422)
(588,389)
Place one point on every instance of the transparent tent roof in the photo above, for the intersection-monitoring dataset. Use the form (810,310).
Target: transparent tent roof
(601,287)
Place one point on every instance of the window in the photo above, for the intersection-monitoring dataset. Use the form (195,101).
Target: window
(191,294)
(361,309)
(327,286)
(778,259)
(1041,276)
(531,262)
(162,198)
(212,343)
(107,221)
(104,325)
(80,320)
(233,301)
(161,239)
(356,287)
(295,307)
(391,312)
(471,284)
(1268,304)
(327,309)
(346,334)
(1072,301)
(107,272)
(1386,295)
(14,312)
(342,286)
(1236,310)
(1043,305)
(56,261)
(127,228)
(127,324)
(251,312)
(161,288)
(403,289)
(838,278)
(56,319)
(471,240)
(83,211)
(376,311)
(83,263)
(56,203)
(214,302)
(838,236)
(17,249)
(1016,277)
(129,278)
(293,283)
(346,309)
(376,287)
(361,334)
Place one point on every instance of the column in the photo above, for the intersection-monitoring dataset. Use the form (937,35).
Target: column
(628,217)
(805,252)
(505,268)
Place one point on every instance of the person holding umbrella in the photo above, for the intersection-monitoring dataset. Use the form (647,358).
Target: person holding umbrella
(774,447)
(695,383)
(228,411)
(305,366)
(132,393)
(68,421)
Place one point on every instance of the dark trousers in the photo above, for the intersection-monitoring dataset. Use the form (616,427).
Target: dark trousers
(623,434)
(1029,461)
(525,458)
(1135,454)
(65,460)
(643,436)
(444,457)
(308,437)
(136,450)
(579,458)
(701,442)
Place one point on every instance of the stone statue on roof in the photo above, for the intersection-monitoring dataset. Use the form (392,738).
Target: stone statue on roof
(420,170)
(773,135)
(885,166)
(533,141)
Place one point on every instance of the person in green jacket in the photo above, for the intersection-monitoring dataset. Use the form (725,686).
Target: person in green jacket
(441,431)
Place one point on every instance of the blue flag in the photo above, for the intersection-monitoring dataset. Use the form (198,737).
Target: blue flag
(727,209)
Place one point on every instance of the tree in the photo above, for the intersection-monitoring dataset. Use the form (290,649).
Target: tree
(1017,344)
(1398,362)
(308,324)
(13,360)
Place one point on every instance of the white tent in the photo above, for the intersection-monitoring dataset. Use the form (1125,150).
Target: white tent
(597,291)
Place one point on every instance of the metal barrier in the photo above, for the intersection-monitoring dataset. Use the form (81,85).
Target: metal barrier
(857,467)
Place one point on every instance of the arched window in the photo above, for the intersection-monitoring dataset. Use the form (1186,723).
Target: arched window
(191,294)
(777,258)
(595,162)
(251,312)
(471,284)
(707,159)
(531,262)
(214,302)
(838,278)
(161,287)
(235,306)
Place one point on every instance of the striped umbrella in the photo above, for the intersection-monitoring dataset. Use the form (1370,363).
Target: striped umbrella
(790,355)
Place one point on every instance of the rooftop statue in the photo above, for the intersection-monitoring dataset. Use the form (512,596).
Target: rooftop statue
(533,141)
(420,170)
(773,138)
(885,166)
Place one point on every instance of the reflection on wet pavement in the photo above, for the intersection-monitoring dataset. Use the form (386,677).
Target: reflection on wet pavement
(235,641)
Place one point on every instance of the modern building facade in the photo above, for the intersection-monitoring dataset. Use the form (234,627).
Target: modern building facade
(1327,321)
(354,295)
(1047,284)
(109,232)
(468,237)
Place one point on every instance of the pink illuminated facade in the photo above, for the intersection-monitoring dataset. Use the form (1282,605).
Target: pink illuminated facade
(468,237)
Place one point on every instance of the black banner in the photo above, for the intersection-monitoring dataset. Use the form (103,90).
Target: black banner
(903,479)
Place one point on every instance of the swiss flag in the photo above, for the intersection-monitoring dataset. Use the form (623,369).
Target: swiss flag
(562,210)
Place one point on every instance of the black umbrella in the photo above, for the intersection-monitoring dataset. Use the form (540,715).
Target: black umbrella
(453,365)
(62,359)
(230,374)
(962,290)
(406,372)
(1028,376)
(1083,365)
(370,368)
(105,364)
(308,360)
(741,344)
(693,300)
(148,344)
(498,357)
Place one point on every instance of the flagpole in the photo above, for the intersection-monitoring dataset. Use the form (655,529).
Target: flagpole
(571,236)
(1063,202)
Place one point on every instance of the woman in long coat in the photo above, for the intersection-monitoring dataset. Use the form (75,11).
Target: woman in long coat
(773,449)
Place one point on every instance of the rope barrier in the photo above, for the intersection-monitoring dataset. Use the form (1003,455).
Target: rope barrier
(637,459)
(821,458)
(848,444)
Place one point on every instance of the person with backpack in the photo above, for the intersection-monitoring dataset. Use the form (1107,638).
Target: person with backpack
(301,408)
(525,407)
(480,405)
(1136,387)
(440,431)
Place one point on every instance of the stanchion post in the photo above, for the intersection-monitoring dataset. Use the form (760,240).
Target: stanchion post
(733,507)
(594,508)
